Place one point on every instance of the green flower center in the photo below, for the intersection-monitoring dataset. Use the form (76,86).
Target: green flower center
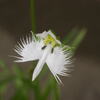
(50,40)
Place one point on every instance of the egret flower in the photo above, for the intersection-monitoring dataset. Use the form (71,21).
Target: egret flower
(46,48)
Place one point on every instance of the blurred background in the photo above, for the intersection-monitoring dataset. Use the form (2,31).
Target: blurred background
(61,16)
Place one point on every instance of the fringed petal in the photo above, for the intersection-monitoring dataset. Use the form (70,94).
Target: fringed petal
(29,49)
(58,63)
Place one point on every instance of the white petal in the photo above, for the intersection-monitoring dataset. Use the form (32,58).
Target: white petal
(29,49)
(41,62)
(42,35)
(50,33)
(58,62)
(45,33)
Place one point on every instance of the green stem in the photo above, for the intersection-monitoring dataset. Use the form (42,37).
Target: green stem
(36,85)
(32,11)
(47,90)
(37,92)
(56,91)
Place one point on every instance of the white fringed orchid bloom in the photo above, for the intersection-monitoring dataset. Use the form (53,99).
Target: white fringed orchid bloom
(47,49)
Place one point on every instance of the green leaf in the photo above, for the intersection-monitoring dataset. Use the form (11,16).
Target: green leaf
(56,90)
(47,90)
(18,71)
(2,64)
(68,38)
(20,94)
(74,38)
(37,89)
(3,88)
(78,39)
(52,89)
(6,80)
(4,83)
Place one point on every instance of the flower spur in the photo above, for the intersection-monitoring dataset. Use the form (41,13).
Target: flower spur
(46,48)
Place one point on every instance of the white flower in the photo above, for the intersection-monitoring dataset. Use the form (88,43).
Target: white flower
(47,49)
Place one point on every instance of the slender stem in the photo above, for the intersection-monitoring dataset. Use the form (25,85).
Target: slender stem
(52,87)
(56,91)
(37,92)
(32,11)
(35,85)
(48,89)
